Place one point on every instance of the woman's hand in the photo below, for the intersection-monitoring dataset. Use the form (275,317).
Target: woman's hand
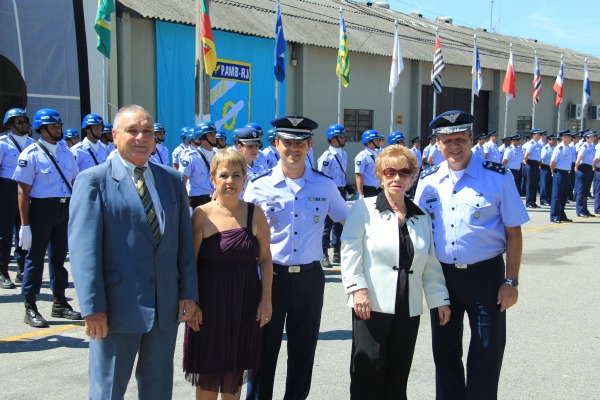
(196,320)
(444,313)
(264,312)
(362,305)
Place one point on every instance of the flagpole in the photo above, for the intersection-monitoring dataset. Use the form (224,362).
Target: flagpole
(559,104)
(533,92)
(199,104)
(394,88)
(583,95)
(474,73)
(435,91)
(105,88)
(339,116)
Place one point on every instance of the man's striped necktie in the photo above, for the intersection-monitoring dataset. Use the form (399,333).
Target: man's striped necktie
(147,202)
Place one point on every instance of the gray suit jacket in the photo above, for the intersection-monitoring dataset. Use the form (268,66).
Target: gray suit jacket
(116,265)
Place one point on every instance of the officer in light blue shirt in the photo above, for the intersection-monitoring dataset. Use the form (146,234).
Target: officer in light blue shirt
(364,165)
(512,159)
(435,155)
(183,146)
(477,149)
(107,139)
(584,174)
(425,155)
(11,146)
(161,154)
(531,159)
(296,200)
(477,215)
(545,173)
(596,169)
(221,139)
(334,163)
(90,151)
(416,149)
(71,137)
(195,163)
(270,151)
(490,149)
(248,143)
(260,157)
(560,165)
(45,174)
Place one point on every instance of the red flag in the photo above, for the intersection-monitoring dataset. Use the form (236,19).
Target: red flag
(558,85)
(208,42)
(508,87)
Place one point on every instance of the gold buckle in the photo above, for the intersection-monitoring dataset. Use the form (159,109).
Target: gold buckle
(461,266)
(63,200)
(294,269)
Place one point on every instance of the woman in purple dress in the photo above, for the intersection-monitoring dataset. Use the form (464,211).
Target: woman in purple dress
(231,239)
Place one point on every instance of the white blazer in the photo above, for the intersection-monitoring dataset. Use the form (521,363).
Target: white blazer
(370,250)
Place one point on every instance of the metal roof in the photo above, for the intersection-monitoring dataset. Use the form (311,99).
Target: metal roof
(370,30)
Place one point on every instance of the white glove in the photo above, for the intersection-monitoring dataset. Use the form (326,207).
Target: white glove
(25,237)
(191,211)
(362,196)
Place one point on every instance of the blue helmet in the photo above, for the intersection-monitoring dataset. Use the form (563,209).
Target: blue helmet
(91,119)
(271,135)
(256,127)
(369,135)
(46,116)
(107,128)
(71,133)
(183,132)
(235,134)
(221,134)
(203,128)
(159,127)
(189,135)
(395,137)
(14,112)
(335,130)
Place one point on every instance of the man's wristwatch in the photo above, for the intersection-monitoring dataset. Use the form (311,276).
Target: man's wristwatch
(512,282)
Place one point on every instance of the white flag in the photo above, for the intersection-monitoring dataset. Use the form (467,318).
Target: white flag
(397,63)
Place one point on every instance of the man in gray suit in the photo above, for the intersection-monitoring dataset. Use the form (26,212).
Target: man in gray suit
(133,265)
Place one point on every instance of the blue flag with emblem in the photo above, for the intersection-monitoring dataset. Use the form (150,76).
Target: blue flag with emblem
(279,47)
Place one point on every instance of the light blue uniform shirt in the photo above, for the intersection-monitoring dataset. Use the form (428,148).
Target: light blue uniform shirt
(512,157)
(426,152)
(573,152)
(161,156)
(9,154)
(83,154)
(587,152)
(328,165)
(534,149)
(469,216)
(271,154)
(491,149)
(436,155)
(109,147)
(296,217)
(546,153)
(178,152)
(193,166)
(562,157)
(36,169)
(364,163)
(477,150)
(418,155)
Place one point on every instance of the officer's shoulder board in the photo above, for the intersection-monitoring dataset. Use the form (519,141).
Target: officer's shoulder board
(265,173)
(429,171)
(560,147)
(496,167)
(321,173)
(184,162)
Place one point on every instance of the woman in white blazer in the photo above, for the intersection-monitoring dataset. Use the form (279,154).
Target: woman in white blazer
(388,262)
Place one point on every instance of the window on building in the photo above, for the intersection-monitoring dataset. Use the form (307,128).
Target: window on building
(523,124)
(356,122)
(575,125)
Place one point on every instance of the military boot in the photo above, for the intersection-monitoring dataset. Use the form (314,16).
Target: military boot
(62,309)
(20,269)
(325,263)
(336,256)
(32,317)
(5,282)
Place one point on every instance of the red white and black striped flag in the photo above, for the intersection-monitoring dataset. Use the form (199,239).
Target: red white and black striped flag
(438,65)
(537,82)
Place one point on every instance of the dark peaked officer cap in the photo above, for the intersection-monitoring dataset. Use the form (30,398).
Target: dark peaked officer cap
(294,127)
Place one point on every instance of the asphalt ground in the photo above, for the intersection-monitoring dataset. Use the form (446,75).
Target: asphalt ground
(552,351)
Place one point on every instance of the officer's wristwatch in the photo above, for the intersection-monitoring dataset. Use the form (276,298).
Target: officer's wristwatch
(512,282)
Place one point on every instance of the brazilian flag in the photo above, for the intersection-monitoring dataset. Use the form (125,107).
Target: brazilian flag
(102,26)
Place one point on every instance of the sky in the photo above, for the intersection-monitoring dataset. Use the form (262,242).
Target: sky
(573,24)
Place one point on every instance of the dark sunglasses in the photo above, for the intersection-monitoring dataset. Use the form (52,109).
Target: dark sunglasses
(392,172)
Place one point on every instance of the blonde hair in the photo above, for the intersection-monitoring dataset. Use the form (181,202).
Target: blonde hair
(394,154)
(228,157)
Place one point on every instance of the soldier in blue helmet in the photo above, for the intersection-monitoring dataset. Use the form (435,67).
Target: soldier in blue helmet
(296,200)
(71,137)
(367,183)
(334,163)
(195,164)
(11,146)
(181,147)
(221,139)
(477,215)
(161,153)
(397,137)
(261,158)
(107,139)
(90,152)
(45,174)
(270,152)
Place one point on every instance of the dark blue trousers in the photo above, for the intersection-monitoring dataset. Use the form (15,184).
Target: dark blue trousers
(474,291)
(571,187)
(597,191)
(10,221)
(532,170)
(583,179)
(560,189)
(297,304)
(522,188)
(335,240)
(49,220)
(545,183)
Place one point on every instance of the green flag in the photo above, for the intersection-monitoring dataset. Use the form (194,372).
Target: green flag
(102,26)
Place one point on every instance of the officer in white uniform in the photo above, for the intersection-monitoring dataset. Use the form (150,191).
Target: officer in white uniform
(90,151)
(11,146)
(560,166)
(477,215)
(296,201)
(45,174)
(364,165)
(161,154)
